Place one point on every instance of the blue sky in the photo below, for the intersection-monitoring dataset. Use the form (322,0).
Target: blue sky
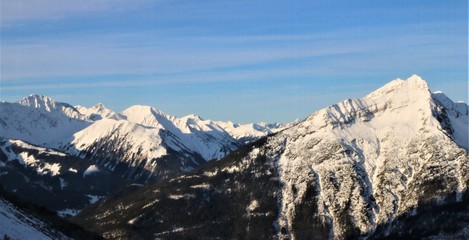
(245,61)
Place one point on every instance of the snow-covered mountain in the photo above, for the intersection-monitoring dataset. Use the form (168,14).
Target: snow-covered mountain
(393,163)
(142,142)
(201,136)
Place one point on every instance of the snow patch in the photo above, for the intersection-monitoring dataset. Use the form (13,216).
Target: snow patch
(93,198)
(211,173)
(52,169)
(202,186)
(93,169)
(151,203)
(181,196)
(68,212)
(252,206)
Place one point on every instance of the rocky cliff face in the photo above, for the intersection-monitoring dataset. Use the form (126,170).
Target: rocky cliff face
(359,168)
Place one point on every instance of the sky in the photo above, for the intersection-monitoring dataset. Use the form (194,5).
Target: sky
(244,61)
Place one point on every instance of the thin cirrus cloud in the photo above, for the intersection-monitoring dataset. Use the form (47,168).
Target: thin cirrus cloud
(118,53)
(75,58)
(20,10)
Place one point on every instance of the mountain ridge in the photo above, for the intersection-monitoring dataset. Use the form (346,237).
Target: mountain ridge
(152,145)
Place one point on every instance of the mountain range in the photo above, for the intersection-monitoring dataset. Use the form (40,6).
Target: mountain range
(50,147)
(391,164)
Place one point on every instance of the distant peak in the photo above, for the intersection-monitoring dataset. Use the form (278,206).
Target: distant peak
(138,108)
(193,116)
(37,97)
(37,101)
(142,110)
(99,106)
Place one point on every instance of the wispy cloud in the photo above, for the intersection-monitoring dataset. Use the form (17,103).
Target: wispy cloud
(56,9)
(124,53)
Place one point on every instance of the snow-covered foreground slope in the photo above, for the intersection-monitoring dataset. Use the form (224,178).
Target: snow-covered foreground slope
(21,219)
(393,163)
(17,224)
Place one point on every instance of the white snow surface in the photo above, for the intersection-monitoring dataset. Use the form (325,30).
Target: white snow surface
(19,225)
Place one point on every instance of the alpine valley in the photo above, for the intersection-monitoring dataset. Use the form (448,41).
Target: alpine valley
(393,164)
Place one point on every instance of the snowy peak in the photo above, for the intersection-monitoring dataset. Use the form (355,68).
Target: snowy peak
(38,101)
(402,91)
(144,115)
(410,100)
(97,112)
(47,104)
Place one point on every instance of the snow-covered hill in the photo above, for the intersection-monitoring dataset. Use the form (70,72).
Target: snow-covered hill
(393,163)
